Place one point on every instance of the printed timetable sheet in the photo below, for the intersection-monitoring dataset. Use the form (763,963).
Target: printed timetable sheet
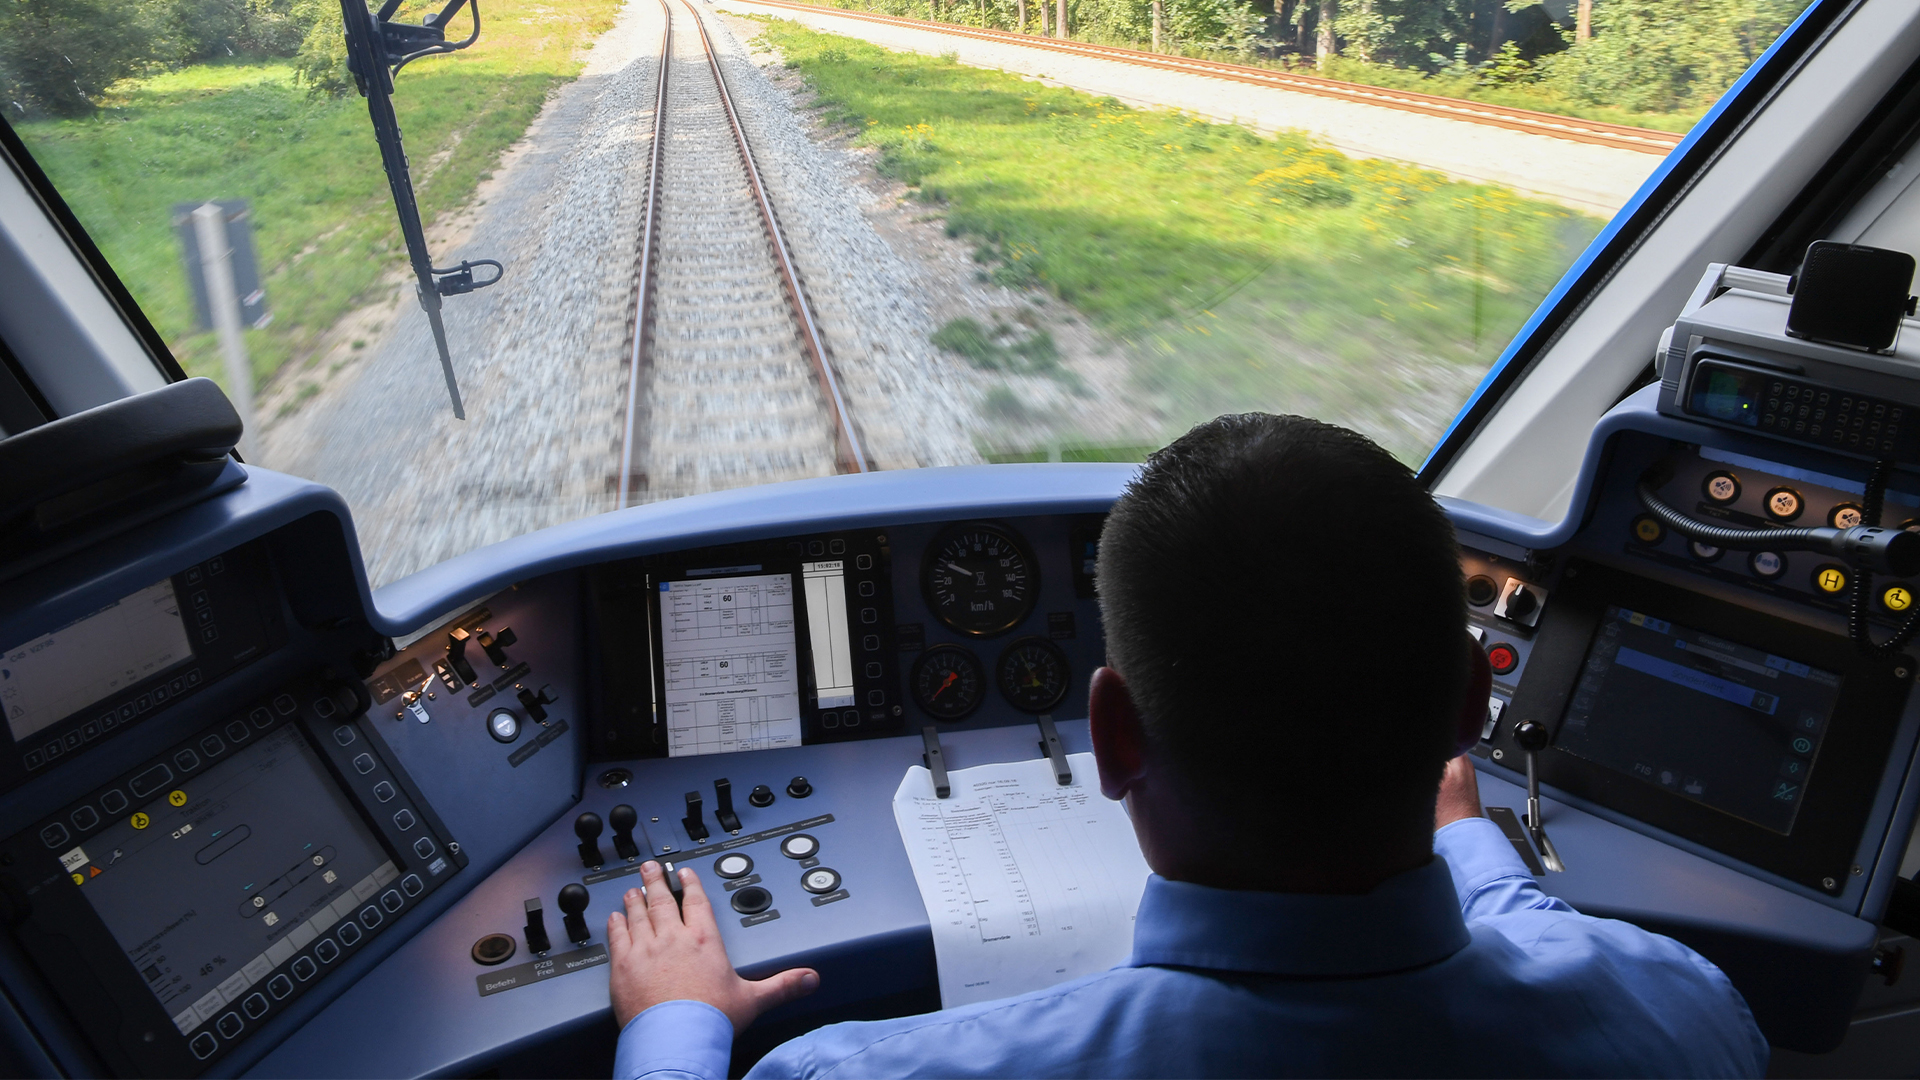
(1027,883)
(729,652)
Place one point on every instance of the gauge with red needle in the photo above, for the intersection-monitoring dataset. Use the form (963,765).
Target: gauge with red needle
(948,682)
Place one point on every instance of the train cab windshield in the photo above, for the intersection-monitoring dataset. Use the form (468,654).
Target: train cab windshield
(834,463)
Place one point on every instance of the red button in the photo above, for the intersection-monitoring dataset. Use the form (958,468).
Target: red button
(1503,658)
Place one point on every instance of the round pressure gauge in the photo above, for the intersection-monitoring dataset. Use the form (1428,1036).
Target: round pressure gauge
(947,682)
(1032,674)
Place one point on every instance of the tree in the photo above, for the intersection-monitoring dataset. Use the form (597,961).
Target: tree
(1665,55)
(1324,47)
(59,56)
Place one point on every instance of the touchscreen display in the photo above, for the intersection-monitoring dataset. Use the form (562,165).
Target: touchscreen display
(1723,724)
(214,885)
(56,675)
(730,661)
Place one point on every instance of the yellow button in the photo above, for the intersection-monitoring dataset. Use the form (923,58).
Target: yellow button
(1831,579)
(1897,598)
(1647,529)
(78,880)
(177,798)
(138,821)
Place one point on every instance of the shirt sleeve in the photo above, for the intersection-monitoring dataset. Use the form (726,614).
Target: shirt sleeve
(675,1040)
(1487,872)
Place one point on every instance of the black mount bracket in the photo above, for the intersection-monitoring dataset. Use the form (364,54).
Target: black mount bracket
(377,48)
(1055,750)
(936,762)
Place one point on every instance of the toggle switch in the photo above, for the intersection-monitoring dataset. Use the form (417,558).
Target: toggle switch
(696,828)
(723,805)
(457,639)
(761,795)
(536,929)
(587,828)
(623,818)
(573,905)
(496,645)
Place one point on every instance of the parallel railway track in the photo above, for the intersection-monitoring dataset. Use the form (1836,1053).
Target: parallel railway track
(728,377)
(1571,129)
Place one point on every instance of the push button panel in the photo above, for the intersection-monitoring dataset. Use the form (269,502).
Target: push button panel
(158,799)
(1745,495)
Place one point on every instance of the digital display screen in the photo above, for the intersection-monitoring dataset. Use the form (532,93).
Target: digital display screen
(214,885)
(1726,394)
(1726,725)
(730,661)
(826,592)
(48,679)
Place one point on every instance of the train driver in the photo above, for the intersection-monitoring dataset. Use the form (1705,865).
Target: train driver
(1290,686)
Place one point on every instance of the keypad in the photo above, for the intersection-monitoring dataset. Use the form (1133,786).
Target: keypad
(1844,421)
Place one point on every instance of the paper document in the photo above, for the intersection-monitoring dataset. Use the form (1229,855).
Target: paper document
(1027,883)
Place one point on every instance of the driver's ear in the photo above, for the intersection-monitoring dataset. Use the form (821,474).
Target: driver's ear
(1473,709)
(1118,739)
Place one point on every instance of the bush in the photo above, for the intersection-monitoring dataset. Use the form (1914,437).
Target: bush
(321,62)
(1667,55)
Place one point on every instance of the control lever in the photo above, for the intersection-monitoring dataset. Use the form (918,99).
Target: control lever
(1533,738)
(496,645)
(536,929)
(936,762)
(536,704)
(623,818)
(674,888)
(696,828)
(457,639)
(573,902)
(723,805)
(587,828)
(1055,750)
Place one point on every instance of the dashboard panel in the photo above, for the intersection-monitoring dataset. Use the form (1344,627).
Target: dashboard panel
(738,682)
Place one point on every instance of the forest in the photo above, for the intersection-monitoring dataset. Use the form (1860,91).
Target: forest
(1644,57)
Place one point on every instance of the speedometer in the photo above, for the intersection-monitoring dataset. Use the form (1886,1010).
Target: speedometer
(979,579)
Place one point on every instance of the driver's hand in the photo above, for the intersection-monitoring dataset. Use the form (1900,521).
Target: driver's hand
(1459,794)
(659,955)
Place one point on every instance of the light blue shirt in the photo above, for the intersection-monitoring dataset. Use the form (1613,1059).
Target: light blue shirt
(1460,967)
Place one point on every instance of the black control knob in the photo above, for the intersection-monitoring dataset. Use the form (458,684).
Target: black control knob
(536,929)
(798,788)
(573,905)
(1532,736)
(1521,602)
(723,805)
(587,828)
(623,818)
(761,795)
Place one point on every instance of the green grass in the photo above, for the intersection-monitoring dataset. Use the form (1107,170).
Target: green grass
(324,225)
(1238,271)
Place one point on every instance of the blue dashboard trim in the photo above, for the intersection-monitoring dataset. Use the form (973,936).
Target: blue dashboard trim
(898,497)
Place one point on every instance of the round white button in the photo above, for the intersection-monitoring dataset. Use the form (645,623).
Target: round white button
(801,846)
(732,866)
(822,880)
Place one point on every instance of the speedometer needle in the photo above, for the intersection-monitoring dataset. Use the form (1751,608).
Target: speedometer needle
(958,569)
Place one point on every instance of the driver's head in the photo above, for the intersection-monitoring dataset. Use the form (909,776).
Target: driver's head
(1284,601)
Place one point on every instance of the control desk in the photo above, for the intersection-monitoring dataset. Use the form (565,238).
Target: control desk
(246,834)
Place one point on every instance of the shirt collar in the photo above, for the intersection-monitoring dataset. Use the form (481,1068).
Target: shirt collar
(1410,920)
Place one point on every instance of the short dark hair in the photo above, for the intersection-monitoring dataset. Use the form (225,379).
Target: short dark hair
(1284,600)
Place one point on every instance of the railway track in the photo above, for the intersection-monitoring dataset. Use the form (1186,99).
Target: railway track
(1571,129)
(728,380)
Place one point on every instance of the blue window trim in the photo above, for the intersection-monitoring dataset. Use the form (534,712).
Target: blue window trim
(1642,212)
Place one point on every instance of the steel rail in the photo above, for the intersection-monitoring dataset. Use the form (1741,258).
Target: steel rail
(1592,132)
(852,458)
(643,267)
